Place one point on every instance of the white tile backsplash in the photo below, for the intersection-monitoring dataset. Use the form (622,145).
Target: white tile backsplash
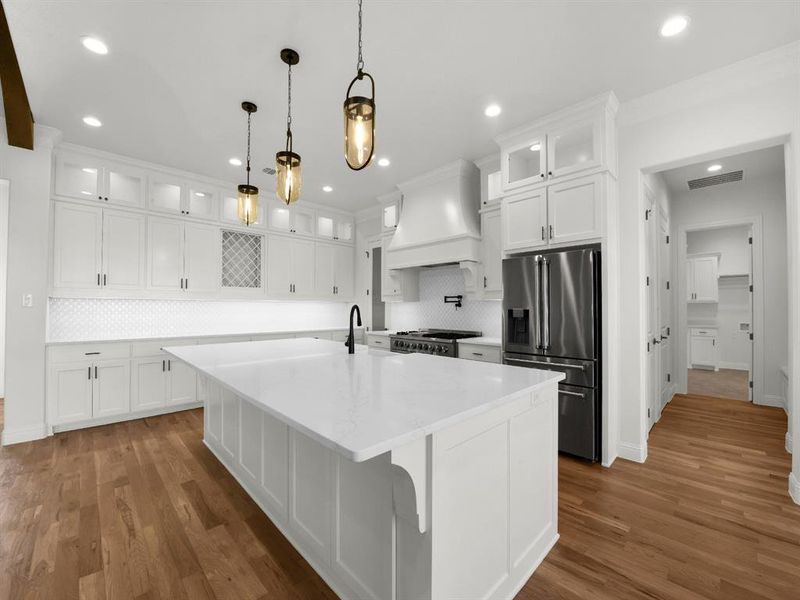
(76,319)
(432,312)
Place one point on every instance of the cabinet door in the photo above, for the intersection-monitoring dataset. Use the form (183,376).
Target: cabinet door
(69,392)
(492,251)
(344,229)
(279,216)
(706,282)
(303,220)
(165,254)
(703,351)
(324,270)
(575,210)
(524,164)
(124,185)
(279,265)
(78,177)
(77,246)
(344,267)
(303,267)
(123,250)
(326,226)
(525,220)
(202,203)
(148,383)
(181,383)
(574,147)
(202,256)
(166,195)
(390,216)
(111,394)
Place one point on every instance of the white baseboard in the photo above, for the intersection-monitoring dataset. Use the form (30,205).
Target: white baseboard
(788,442)
(632,452)
(794,488)
(29,434)
(142,414)
(768,400)
(733,365)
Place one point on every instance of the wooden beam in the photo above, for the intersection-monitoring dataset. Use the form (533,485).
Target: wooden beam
(19,119)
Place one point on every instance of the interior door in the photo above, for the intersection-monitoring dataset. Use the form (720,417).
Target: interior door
(653,342)
(344,272)
(279,265)
(664,309)
(202,258)
(148,385)
(111,388)
(181,383)
(77,246)
(123,250)
(165,254)
(325,265)
(303,267)
(751,333)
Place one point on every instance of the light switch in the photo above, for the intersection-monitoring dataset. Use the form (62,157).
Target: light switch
(27,300)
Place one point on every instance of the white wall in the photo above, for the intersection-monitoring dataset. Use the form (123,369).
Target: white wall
(744,106)
(765,197)
(3,266)
(28,173)
(730,242)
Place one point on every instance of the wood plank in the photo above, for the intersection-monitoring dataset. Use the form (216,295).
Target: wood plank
(19,119)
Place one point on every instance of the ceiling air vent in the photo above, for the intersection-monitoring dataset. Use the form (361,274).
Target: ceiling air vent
(696,184)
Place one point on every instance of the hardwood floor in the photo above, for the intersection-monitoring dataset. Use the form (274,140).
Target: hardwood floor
(143,510)
(725,383)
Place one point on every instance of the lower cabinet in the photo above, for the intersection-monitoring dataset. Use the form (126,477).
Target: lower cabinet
(703,348)
(479,352)
(160,381)
(82,390)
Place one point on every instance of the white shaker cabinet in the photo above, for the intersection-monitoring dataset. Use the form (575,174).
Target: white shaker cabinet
(86,177)
(69,392)
(703,347)
(574,146)
(165,254)
(111,388)
(334,271)
(344,271)
(77,246)
(525,220)
(123,185)
(183,256)
(201,257)
(148,388)
(492,252)
(702,279)
(575,210)
(181,383)
(290,266)
(123,250)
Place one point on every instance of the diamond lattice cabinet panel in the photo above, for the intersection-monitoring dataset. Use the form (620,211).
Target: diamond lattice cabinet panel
(241,259)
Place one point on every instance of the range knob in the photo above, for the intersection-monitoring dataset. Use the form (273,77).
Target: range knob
(445,349)
(412,346)
(424,346)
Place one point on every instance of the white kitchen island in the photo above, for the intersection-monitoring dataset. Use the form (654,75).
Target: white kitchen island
(397,476)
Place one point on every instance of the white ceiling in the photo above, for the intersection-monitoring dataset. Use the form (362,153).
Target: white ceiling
(756,164)
(169,90)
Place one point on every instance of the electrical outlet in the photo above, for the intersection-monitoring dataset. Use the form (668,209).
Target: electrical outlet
(27,300)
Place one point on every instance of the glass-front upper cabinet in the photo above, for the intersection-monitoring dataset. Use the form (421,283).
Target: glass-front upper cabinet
(574,147)
(290,219)
(334,227)
(166,195)
(123,185)
(344,229)
(202,203)
(525,163)
(303,220)
(78,177)
(229,212)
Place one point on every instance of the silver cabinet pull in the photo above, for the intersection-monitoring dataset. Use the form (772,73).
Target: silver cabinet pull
(477,354)
(575,394)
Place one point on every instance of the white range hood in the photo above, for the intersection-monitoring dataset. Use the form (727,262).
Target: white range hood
(439,221)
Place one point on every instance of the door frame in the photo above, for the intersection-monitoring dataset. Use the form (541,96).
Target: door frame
(652,300)
(755,222)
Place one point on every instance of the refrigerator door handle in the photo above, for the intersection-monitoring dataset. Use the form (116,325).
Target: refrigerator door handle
(537,320)
(565,393)
(545,303)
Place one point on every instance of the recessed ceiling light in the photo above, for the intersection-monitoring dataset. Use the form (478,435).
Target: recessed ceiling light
(536,147)
(714,168)
(200,194)
(384,162)
(94,45)
(85,193)
(89,170)
(674,25)
(92,121)
(327,188)
(492,110)
(236,162)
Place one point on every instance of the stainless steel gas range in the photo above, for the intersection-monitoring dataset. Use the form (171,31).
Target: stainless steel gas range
(442,342)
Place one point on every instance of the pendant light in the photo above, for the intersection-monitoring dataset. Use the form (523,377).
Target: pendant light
(248,194)
(287,161)
(359,117)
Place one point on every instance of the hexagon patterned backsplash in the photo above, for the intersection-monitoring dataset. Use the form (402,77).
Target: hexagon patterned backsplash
(76,319)
(431,311)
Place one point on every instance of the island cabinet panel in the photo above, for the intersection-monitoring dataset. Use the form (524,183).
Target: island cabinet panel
(310,494)
(210,395)
(230,425)
(275,465)
(250,440)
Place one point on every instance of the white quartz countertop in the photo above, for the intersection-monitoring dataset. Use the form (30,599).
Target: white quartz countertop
(385,332)
(199,336)
(482,341)
(364,404)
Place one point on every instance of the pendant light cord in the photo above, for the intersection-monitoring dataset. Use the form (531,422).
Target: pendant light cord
(249,115)
(289,115)
(360,65)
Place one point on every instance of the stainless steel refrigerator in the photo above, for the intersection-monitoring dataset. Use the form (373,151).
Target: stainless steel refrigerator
(551,320)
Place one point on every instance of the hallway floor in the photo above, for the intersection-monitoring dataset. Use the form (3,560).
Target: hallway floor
(725,383)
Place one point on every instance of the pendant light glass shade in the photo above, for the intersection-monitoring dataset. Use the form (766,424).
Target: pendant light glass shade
(248,204)
(359,126)
(288,176)
(288,179)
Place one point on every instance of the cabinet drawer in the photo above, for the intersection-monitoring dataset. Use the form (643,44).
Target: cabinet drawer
(153,348)
(703,332)
(479,352)
(378,341)
(101,351)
